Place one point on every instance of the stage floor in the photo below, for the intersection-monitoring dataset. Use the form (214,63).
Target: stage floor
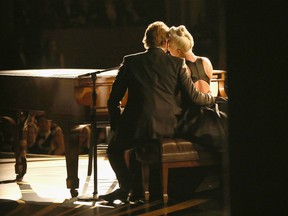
(43,191)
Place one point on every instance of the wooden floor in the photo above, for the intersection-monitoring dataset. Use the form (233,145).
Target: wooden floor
(43,191)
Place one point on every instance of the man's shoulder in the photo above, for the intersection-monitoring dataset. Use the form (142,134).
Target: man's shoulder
(151,52)
(135,55)
(175,58)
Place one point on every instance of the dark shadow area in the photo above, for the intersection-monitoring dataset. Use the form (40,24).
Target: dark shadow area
(83,31)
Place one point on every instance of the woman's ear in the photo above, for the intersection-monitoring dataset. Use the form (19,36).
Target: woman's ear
(180,53)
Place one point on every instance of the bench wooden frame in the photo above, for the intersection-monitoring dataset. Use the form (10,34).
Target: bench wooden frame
(165,166)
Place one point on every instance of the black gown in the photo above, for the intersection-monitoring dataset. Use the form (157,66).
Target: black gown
(206,126)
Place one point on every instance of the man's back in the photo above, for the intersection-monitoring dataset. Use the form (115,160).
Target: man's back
(151,109)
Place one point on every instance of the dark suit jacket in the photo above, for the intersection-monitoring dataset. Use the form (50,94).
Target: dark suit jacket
(153,80)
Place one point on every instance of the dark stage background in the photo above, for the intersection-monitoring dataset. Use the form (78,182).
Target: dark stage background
(98,33)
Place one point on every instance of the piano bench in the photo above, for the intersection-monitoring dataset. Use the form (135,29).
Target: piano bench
(174,153)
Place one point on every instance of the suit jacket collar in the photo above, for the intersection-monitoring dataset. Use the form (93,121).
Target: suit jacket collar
(156,49)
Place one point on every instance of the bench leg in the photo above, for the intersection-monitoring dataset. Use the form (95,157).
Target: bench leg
(165,182)
(145,180)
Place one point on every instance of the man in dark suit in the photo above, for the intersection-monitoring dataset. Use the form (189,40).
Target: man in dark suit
(154,81)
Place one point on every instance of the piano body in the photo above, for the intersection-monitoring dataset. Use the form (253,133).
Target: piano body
(67,99)
(58,92)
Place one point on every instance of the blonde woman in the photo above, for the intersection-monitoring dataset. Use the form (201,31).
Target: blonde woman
(204,125)
(181,44)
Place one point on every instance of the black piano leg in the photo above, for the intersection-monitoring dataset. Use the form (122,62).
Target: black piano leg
(72,157)
(11,133)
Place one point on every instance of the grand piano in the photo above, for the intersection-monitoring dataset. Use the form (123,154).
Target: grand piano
(66,96)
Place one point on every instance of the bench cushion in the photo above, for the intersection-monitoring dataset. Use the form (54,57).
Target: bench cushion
(178,149)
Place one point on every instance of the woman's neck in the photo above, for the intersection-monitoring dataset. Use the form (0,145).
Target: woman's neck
(190,56)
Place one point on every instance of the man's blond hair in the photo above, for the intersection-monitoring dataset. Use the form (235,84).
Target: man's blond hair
(155,35)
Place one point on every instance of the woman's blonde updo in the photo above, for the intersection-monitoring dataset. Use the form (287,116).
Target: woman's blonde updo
(180,38)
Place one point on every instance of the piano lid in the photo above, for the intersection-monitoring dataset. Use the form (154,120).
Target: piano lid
(58,73)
